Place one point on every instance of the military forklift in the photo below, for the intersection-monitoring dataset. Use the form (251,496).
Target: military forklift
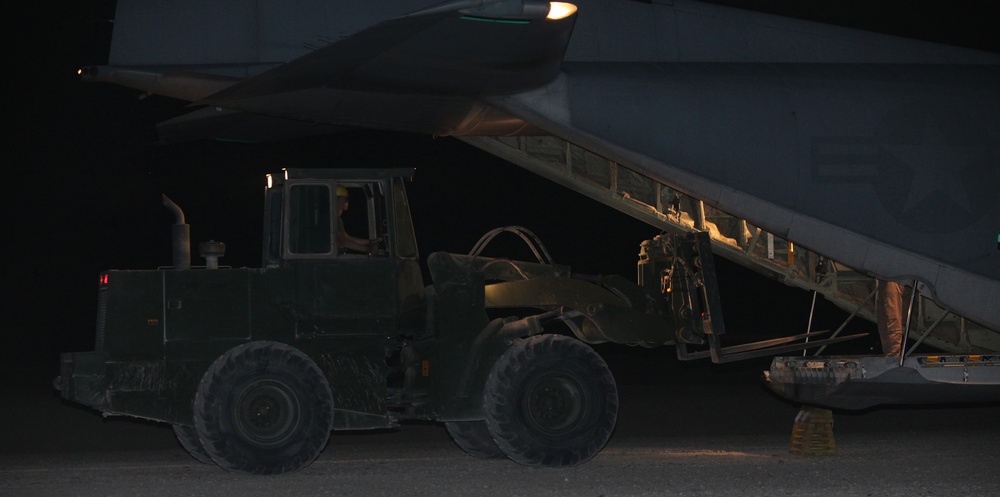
(253,367)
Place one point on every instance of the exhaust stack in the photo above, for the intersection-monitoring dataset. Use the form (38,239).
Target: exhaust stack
(180,237)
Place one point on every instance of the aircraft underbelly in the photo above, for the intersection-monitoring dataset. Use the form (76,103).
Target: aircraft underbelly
(890,169)
(909,147)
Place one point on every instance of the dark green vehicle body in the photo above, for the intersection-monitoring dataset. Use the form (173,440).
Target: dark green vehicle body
(159,330)
(389,347)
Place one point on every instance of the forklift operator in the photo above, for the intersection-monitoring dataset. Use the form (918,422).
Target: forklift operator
(344,240)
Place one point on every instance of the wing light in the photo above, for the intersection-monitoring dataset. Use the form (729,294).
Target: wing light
(560,10)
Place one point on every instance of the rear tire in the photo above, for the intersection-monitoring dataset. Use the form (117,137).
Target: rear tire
(474,438)
(263,408)
(550,400)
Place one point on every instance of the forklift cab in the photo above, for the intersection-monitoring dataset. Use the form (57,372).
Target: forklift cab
(361,292)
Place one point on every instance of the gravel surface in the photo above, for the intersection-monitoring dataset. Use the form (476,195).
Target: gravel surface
(698,430)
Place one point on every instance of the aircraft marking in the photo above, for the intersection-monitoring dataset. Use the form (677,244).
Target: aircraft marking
(932,170)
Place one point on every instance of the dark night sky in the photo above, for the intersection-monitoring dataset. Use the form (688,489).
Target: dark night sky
(84,175)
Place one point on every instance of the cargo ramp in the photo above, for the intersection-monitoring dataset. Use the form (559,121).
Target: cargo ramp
(809,380)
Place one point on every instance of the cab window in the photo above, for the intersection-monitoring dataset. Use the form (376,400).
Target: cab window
(309,220)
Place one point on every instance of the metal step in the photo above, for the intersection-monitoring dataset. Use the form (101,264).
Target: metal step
(860,382)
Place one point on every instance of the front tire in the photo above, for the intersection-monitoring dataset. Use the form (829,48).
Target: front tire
(550,400)
(263,408)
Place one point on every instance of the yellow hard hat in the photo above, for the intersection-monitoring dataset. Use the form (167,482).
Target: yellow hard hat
(341,191)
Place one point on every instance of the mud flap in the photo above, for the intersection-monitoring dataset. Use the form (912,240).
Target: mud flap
(83,378)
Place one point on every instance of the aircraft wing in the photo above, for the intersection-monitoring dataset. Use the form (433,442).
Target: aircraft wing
(441,53)
(422,71)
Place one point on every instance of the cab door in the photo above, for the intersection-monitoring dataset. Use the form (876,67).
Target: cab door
(338,292)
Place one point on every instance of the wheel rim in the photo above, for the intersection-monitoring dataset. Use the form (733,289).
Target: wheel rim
(267,412)
(554,403)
